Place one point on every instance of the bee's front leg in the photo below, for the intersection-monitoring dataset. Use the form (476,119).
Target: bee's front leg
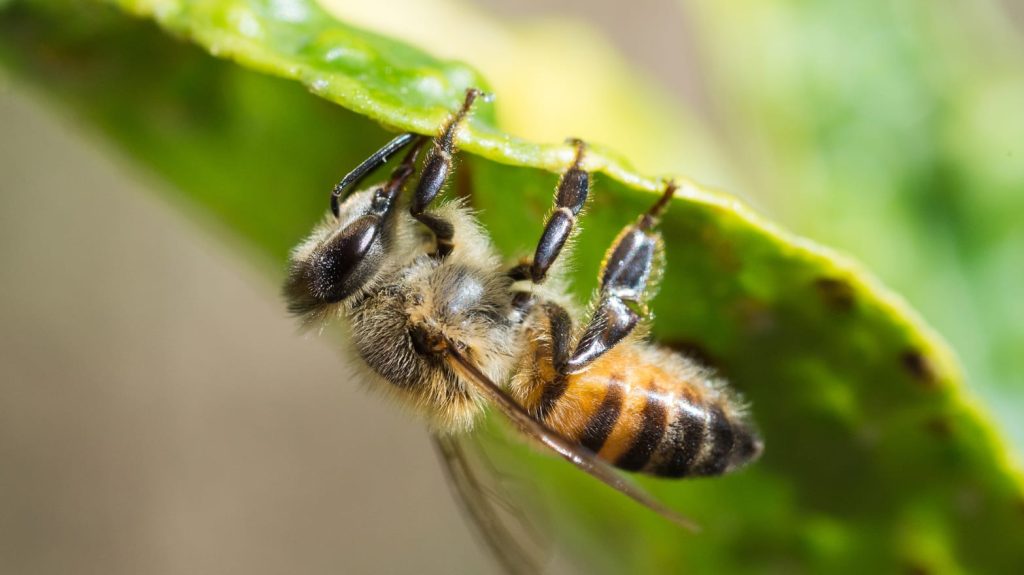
(436,170)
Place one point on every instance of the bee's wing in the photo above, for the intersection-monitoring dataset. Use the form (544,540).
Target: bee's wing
(518,548)
(576,454)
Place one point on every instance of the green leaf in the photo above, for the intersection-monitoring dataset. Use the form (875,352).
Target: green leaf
(877,459)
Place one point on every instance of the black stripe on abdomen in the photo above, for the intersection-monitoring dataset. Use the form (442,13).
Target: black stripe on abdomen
(602,422)
(686,435)
(716,459)
(653,425)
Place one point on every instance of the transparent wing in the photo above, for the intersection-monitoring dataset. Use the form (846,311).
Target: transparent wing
(572,452)
(509,535)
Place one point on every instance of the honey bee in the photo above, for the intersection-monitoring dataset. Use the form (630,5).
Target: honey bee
(445,328)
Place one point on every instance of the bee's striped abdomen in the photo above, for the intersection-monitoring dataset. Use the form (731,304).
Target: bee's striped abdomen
(651,428)
(706,441)
(648,410)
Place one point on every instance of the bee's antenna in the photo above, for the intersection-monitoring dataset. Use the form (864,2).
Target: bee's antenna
(378,159)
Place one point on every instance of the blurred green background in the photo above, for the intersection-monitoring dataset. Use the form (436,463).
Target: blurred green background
(892,131)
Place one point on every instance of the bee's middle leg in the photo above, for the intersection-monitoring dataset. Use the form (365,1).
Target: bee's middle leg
(570,197)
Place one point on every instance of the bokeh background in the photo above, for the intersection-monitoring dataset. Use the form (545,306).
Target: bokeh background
(140,433)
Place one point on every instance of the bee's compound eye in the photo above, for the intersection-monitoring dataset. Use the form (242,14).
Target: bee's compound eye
(338,267)
(346,261)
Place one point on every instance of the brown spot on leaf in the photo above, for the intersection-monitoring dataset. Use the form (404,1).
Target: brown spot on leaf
(837,293)
(920,368)
(940,427)
(917,569)
(721,250)
(754,315)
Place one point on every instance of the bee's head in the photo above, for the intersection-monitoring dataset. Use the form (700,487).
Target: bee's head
(346,251)
(342,255)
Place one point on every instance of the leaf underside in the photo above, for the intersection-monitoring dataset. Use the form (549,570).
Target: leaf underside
(876,459)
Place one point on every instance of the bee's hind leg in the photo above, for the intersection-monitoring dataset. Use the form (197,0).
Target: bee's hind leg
(436,169)
(629,277)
